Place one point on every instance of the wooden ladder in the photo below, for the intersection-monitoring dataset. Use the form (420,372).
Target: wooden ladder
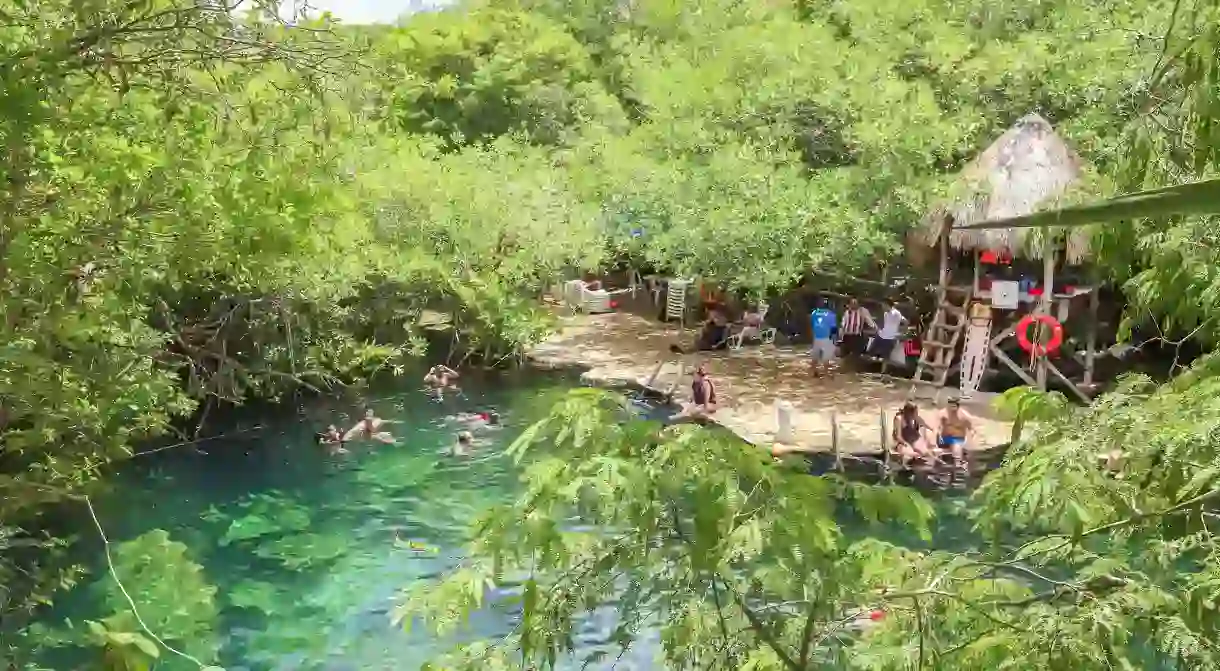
(940,342)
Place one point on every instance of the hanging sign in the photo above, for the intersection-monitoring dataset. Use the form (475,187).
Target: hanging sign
(1004,295)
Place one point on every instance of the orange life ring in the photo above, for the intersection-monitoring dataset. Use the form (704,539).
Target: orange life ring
(1037,349)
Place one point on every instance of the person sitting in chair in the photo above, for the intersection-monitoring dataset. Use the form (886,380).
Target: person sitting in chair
(713,336)
(751,323)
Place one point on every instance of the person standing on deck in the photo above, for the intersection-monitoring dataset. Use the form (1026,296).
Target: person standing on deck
(891,325)
(954,429)
(822,323)
(855,320)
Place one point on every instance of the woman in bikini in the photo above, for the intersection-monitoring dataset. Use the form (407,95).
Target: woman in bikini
(910,435)
(702,396)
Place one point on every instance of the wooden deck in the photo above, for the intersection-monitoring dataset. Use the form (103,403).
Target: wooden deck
(623,349)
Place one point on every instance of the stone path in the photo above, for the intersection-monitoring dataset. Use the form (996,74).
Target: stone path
(623,349)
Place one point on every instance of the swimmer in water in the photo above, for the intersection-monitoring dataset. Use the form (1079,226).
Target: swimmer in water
(465,440)
(369,428)
(440,377)
(332,438)
(489,418)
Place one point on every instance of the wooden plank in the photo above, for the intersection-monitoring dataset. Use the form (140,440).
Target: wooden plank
(1001,336)
(999,354)
(1070,385)
(1091,338)
(1048,287)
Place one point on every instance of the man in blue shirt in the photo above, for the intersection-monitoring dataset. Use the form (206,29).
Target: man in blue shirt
(823,323)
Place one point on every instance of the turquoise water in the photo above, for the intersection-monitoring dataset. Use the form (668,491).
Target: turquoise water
(317,592)
(309,551)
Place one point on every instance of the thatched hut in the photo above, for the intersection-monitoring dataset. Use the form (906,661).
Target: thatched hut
(1027,167)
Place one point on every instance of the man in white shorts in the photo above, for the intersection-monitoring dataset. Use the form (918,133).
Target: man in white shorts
(822,322)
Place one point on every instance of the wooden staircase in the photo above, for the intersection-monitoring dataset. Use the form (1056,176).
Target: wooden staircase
(940,342)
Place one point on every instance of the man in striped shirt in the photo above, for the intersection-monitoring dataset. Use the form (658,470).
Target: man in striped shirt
(855,319)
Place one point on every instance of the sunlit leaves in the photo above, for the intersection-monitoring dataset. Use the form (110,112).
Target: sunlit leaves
(682,526)
(173,596)
(470,77)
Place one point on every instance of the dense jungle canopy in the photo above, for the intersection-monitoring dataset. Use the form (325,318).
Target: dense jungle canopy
(203,204)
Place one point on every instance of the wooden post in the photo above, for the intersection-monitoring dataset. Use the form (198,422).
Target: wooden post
(834,440)
(1091,338)
(882,418)
(944,253)
(655,373)
(1048,292)
(974,284)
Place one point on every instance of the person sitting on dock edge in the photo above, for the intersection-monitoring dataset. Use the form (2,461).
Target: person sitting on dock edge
(702,396)
(954,429)
(911,435)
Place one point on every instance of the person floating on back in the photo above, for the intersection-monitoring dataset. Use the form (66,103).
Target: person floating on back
(369,428)
(822,323)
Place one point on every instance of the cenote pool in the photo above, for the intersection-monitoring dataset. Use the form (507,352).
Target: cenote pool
(308,551)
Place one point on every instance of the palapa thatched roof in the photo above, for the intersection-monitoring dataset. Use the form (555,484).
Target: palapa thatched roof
(1027,166)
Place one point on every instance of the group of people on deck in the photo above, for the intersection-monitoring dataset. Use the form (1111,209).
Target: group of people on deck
(914,437)
(849,336)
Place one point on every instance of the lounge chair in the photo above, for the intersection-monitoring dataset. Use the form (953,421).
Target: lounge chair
(761,333)
(590,301)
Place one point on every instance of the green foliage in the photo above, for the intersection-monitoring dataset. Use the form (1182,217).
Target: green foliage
(469,77)
(742,563)
(685,530)
(189,218)
(174,599)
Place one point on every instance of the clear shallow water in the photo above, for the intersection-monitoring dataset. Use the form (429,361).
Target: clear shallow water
(314,585)
(316,592)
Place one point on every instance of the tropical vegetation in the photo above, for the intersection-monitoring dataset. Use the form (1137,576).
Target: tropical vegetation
(205,204)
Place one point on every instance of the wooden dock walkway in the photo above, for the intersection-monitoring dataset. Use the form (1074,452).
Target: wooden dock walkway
(623,349)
